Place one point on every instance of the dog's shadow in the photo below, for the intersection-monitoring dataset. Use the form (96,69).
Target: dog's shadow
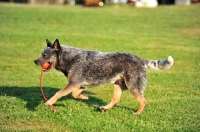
(32,95)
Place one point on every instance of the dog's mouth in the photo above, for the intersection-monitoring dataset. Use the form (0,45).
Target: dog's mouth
(47,68)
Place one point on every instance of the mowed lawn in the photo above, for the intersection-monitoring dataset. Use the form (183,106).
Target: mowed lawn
(173,96)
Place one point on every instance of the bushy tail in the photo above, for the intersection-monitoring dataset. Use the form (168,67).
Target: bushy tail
(160,64)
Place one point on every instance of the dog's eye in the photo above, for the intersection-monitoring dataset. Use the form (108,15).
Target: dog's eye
(44,55)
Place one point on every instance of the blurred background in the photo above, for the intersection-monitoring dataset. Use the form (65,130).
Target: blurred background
(99,2)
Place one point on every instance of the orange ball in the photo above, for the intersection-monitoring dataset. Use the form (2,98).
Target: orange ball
(46,65)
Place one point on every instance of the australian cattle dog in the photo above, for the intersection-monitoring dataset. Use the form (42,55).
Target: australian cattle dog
(86,68)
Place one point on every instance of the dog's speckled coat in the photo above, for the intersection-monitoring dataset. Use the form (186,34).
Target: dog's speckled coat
(92,68)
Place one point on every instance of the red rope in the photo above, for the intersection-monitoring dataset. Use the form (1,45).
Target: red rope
(44,97)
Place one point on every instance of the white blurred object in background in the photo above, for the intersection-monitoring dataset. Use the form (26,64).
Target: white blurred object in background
(146,3)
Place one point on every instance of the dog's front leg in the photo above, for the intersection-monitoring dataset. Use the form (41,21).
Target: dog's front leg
(78,95)
(65,91)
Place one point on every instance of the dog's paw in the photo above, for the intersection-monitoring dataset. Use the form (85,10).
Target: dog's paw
(84,96)
(137,113)
(47,103)
(54,108)
(103,109)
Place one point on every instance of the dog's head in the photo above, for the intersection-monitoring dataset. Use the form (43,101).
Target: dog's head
(49,55)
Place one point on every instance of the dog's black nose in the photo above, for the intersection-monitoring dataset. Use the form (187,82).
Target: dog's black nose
(35,61)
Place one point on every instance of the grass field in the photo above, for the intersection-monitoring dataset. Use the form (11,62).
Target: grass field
(173,96)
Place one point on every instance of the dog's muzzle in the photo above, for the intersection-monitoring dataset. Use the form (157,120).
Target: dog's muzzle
(36,62)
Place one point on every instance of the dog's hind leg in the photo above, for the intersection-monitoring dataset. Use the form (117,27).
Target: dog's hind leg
(118,89)
(65,91)
(140,98)
(136,85)
(77,94)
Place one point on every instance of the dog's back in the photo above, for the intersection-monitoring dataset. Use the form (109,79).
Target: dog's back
(96,68)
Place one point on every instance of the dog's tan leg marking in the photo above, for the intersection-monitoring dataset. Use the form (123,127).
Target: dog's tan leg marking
(69,75)
(65,91)
(140,98)
(77,94)
(116,97)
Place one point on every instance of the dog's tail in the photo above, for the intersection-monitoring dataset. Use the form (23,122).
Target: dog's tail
(160,64)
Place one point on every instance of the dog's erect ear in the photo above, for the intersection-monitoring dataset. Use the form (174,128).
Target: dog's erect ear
(56,45)
(49,44)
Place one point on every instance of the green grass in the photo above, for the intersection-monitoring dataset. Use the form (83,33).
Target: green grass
(173,96)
